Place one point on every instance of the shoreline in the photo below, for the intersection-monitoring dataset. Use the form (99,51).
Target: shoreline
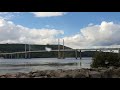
(111,72)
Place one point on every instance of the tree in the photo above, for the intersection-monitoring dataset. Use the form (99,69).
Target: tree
(102,59)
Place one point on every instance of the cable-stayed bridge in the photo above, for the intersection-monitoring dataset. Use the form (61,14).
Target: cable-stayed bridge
(27,54)
(58,51)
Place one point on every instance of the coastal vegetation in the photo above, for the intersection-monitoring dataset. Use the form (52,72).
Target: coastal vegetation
(105,59)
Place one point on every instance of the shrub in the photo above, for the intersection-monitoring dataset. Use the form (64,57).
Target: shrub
(102,59)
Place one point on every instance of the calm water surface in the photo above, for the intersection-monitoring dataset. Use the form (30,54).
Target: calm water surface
(27,65)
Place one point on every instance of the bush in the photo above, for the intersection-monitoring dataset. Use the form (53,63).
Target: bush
(102,59)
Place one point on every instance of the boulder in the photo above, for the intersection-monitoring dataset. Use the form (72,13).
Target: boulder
(94,74)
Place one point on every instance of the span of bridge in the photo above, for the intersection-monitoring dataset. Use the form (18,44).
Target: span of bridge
(58,50)
(37,51)
(60,56)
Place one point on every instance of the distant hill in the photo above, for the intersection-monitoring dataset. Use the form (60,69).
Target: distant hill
(21,47)
(7,48)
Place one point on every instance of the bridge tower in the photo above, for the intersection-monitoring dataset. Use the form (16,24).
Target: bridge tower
(60,53)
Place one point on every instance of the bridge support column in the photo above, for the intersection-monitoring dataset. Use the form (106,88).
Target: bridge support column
(59,49)
(25,51)
(18,55)
(11,56)
(29,51)
(111,51)
(29,55)
(96,50)
(15,56)
(80,55)
(76,53)
(63,50)
(100,51)
(25,55)
(5,56)
(119,53)
(58,55)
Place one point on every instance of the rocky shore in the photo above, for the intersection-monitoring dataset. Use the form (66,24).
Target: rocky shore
(110,72)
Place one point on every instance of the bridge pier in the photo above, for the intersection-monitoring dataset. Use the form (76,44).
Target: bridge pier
(25,52)
(25,55)
(76,53)
(15,56)
(111,51)
(63,50)
(29,55)
(60,54)
(11,56)
(18,55)
(5,56)
(80,54)
(119,53)
(29,51)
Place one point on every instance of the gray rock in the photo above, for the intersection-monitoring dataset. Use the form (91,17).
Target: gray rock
(106,74)
(79,75)
(111,68)
(94,74)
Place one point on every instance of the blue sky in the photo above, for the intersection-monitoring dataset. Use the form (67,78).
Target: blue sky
(69,22)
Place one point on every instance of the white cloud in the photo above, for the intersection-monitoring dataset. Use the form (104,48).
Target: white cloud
(48,14)
(11,33)
(8,12)
(8,15)
(105,34)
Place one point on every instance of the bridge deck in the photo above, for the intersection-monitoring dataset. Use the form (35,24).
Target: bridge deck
(92,49)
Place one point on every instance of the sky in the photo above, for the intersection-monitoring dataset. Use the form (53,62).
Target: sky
(78,29)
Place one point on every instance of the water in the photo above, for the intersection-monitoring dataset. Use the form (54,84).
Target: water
(27,65)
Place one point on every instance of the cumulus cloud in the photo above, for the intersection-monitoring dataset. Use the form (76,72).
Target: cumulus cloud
(48,14)
(105,34)
(8,12)
(8,15)
(11,33)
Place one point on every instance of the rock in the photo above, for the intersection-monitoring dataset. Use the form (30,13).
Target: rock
(94,74)
(37,74)
(59,73)
(111,68)
(79,75)
(65,75)
(110,72)
(22,75)
(51,73)
(13,76)
(116,72)
(106,74)
(2,76)
(84,72)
